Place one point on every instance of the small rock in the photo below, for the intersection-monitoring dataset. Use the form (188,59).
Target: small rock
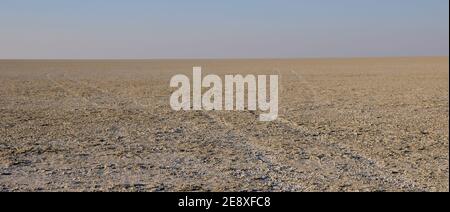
(395,172)
(424,132)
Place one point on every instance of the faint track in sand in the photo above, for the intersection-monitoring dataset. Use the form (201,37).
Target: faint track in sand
(122,131)
(114,98)
(249,143)
(260,153)
(263,154)
(119,132)
(344,149)
(359,161)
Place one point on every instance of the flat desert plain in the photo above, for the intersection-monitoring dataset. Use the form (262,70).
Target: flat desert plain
(375,124)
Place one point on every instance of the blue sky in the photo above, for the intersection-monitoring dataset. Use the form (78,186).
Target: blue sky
(141,29)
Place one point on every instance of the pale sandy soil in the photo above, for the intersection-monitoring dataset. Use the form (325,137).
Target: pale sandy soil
(345,125)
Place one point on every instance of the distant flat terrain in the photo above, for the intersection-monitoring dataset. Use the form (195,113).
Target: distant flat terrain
(376,124)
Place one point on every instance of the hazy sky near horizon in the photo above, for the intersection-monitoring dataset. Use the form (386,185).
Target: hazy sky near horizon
(145,29)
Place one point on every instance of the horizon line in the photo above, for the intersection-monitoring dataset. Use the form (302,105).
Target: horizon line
(216,58)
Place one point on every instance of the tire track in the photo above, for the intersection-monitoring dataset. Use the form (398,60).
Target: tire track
(250,146)
(124,132)
(344,149)
(358,161)
(107,98)
(262,154)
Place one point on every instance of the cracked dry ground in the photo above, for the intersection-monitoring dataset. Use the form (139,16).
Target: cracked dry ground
(345,125)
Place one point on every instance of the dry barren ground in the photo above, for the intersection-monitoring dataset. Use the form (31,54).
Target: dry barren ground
(345,125)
